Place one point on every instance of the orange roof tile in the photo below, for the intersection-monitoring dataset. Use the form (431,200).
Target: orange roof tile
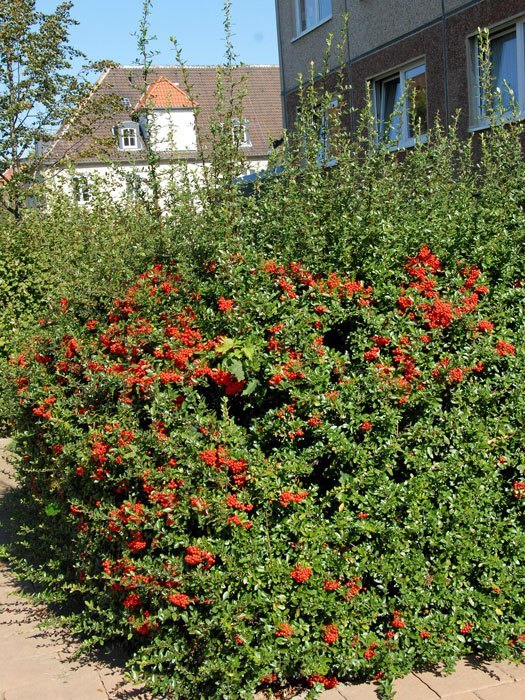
(165,94)
(7,176)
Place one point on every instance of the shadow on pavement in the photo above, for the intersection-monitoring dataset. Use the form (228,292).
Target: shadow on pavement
(21,617)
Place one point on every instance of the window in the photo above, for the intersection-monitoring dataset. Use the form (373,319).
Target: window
(128,137)
(126,102)
(133,186)
(310,13)
(400,102)
(81,190)
(328,129)
(240,132)
(320,130)
(507,73)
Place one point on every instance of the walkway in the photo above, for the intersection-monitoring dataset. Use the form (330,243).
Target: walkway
(35,662)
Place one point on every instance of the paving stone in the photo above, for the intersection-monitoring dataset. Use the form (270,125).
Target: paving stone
(19,646)
(48,675)
(7,585)
(514,691)
(363,691)
(52,692)
(128,692)
(6,483)
(332,694)
(18,629)
(15,609)
(468,676)
(516,671)
(408,688)
(42,666)
(411,688)
(117,687)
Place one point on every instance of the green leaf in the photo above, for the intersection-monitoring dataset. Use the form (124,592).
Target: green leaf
(52,509)
(249,352)
(226,345)
(251,387)
(237,370)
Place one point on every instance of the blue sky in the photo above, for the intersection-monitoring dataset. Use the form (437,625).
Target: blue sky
(106,28)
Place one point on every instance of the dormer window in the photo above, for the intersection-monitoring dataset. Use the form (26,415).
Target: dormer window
(240,132)
(128,137)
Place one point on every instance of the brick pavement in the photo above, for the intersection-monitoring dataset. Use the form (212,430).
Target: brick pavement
(35,662)
(471,680)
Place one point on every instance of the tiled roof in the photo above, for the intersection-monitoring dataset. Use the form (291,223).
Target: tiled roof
(7,176)
(261,107)
(163,94)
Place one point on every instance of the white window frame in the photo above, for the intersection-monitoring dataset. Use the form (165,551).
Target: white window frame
(128,133)
(324,158)
(478,119)
(319,19)
(81,189)
(240,132)
(405,140)
(129,138)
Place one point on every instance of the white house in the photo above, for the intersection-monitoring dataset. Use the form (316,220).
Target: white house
(174,120)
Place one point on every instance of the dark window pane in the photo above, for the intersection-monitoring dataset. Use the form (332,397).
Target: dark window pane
(389,114)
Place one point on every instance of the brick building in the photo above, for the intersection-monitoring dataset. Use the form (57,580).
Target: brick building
(429,47)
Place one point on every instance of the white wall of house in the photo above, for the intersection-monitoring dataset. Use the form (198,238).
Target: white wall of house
(121,183)
(173,130)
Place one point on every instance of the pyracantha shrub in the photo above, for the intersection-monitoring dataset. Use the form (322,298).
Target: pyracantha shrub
(274,476)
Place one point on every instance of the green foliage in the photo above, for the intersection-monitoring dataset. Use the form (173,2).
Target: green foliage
(291,450)
(38,93)
(280,475)
(82,254)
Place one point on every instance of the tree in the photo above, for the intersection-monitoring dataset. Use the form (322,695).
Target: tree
(38,92)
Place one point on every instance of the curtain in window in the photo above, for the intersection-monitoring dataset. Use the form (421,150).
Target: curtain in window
(325,9)
(504,60)
(390,117)
(308,13)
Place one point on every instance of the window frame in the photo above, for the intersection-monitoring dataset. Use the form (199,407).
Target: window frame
(477,115)
(130,134)
(319,20)
(241,126)
(325,157)
(81,188)
(405,139)
(134,143)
